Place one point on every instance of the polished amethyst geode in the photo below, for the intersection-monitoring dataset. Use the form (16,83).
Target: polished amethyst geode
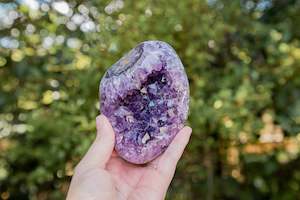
(145,96)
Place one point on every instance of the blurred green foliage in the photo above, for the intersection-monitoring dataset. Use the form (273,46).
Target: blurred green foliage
(243,62)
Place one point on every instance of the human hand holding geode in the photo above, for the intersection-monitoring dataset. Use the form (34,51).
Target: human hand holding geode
(145,97)
(102,174)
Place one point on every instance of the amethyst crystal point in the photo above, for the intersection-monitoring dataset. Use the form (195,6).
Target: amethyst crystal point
(145,96)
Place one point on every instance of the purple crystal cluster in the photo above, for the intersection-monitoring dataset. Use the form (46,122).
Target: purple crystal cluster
(145,96)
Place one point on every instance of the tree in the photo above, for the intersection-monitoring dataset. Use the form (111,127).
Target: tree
(242,59)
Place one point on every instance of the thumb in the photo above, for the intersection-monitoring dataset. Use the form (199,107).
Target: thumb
(101,149)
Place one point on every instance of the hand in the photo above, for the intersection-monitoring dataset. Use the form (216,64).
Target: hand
(102,174)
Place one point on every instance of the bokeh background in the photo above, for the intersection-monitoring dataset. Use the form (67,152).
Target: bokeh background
(242,58)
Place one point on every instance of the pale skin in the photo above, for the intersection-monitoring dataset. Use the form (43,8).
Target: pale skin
(103,175)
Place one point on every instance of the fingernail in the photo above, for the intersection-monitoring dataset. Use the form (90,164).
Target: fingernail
(99,123)
(189,129)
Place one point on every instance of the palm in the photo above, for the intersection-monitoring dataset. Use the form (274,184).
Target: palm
(102,174)
(132,182)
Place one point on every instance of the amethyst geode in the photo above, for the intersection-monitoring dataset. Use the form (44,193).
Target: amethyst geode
(145,96)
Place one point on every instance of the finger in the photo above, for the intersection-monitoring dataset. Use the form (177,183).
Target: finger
(101,149)
(114,154)
(168,160)
(162,169)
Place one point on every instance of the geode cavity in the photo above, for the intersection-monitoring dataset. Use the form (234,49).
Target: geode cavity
(145,96)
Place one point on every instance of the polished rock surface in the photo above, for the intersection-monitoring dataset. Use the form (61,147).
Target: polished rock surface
(145,96)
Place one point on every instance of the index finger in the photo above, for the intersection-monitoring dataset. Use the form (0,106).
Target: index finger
(162,169)
(166,164)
